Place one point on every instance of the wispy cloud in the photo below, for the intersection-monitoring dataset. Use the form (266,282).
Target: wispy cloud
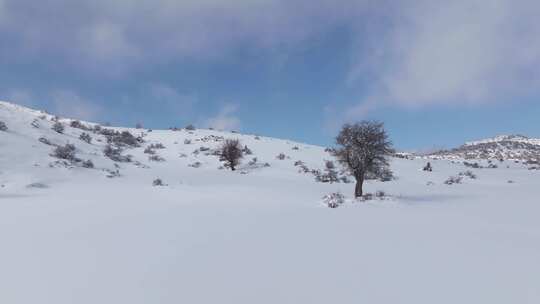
(226,119)
(69,104)
(459,52)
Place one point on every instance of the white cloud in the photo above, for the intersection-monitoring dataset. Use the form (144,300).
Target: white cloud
(457,52)
(101,35)
(69,104)
(20,96)
(226,119)
(167,97)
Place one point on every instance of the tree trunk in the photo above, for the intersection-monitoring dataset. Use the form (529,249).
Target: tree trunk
(358,191)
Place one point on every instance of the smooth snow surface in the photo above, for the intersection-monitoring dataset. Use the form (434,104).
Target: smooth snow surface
(256,235)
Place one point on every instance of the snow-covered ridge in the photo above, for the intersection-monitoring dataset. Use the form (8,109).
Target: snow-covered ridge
(260,234)
(503,138)
(502,147)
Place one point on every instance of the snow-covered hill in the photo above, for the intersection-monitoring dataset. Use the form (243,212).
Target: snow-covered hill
(506,147)
(105,234)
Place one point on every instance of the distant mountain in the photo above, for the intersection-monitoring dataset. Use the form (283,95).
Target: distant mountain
(505,147)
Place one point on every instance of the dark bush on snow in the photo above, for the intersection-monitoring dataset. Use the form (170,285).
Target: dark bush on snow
(231,153)
(86,138)
(158,182)
(44,140)
(124,139)
(246,150)
(66,152)
(333,200)
(79,125)
(472,165)
(88,164)
(195,165)
(281,156)
(157,146)
(187,141)
(190,127)
(58,127)
(3,126)
(156,158)
(330,150)
(330,174)
(453,180)
(380,194)
(149,150)
(383,174)
(115,154)
(428,167)
(468,174)
(107,132)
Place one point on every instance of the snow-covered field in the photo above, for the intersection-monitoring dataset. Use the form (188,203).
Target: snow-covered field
(257,235)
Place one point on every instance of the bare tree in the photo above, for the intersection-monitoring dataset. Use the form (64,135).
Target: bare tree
(363,149)
(231,153)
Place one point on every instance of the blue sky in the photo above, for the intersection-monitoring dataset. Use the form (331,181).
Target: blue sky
(437,73)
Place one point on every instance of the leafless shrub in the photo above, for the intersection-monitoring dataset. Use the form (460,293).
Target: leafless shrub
(246,150)
(472,165)
(115,154)
(79,125)
(158,182)
(66,152)
(330,175)
(380,194)
(156,158)
(454,180)
(231,153)
(281,156)
(195,165)
(157,146)
(333,200)
(468,174)
(88,164)
(149,150)
(86,137)
(3,126)
(124,139)
(58,127)
(44,140)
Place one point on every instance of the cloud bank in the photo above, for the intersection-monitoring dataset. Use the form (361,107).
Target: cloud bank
(410,53)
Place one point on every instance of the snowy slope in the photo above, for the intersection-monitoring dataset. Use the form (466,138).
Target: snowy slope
(507,147)
(257,235)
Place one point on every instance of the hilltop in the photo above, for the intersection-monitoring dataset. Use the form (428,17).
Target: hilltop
(107,233)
